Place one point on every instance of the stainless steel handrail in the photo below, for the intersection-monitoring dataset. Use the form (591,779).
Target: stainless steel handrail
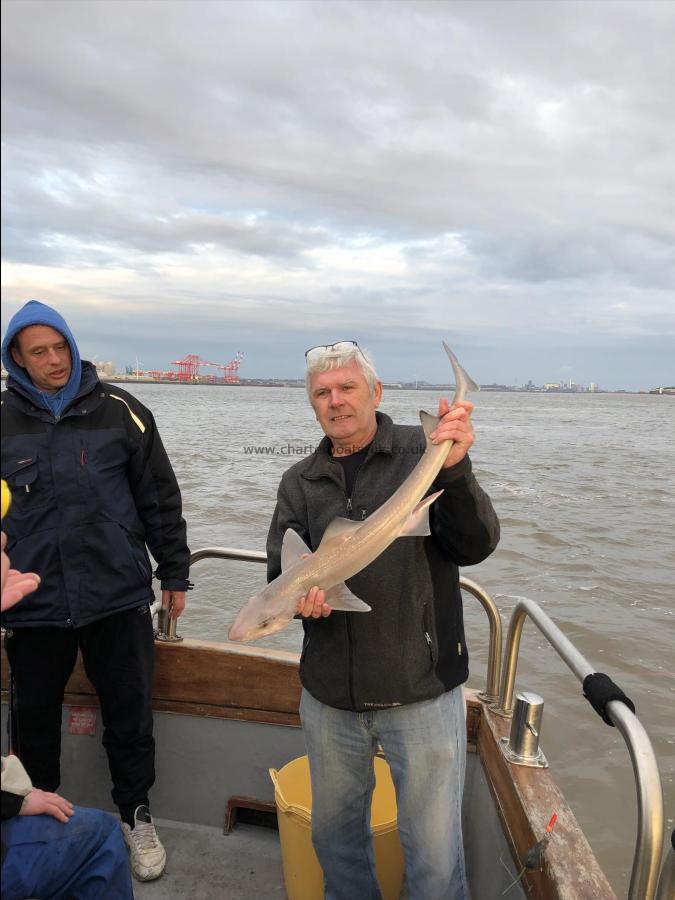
(491,692)
(228,553)
(647,858)
(495,646)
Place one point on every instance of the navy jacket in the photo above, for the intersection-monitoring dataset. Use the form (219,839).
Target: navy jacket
(90,489)
(411,646)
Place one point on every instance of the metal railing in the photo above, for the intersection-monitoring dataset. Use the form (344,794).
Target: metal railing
(228,553)
(491,692)
(647,858)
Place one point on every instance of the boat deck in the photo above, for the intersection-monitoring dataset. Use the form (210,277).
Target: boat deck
(205,864)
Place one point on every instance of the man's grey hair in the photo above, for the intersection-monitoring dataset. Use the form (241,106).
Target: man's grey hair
(322,361)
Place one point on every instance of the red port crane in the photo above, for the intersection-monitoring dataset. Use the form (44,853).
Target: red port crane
(231,369)
(188,369)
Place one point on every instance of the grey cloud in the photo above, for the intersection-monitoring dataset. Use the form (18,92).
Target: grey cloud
(123,223)
(519,155)
(639,259)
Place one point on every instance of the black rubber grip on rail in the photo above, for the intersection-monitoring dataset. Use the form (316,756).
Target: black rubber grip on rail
(599,690)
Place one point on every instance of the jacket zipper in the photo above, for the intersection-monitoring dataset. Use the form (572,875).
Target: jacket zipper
(364,513)
(350,639)
(428,628)
(349,626)
(308,638)
(430,645)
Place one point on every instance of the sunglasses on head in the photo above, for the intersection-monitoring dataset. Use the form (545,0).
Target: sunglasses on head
(337,347)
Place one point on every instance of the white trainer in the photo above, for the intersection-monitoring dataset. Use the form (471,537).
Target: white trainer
(147,855)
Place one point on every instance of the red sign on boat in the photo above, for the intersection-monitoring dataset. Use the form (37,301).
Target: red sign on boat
(82,720)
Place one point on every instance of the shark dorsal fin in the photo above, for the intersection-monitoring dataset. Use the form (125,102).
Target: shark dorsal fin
(429,424)
(338,530)
(292,548)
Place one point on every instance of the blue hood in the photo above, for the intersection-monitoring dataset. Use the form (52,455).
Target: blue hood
(36,313)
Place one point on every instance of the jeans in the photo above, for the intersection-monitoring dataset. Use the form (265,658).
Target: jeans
(82,859)
(425,746)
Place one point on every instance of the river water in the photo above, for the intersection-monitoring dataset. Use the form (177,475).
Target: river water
(583,485)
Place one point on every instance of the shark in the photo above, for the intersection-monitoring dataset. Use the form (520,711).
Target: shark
(348,546)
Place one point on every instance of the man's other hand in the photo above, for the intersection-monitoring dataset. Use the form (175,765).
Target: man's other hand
(314,605)
(176,599)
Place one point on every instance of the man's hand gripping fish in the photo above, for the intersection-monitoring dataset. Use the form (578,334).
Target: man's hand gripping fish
(347,546)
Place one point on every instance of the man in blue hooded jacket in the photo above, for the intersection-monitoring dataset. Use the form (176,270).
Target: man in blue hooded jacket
(92,488)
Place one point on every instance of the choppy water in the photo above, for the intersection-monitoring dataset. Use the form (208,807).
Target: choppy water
(584,488)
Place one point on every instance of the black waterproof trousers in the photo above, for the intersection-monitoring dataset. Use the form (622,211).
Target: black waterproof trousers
(118,656)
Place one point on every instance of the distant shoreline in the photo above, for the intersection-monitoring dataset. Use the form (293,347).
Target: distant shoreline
(297,383)
(396,386)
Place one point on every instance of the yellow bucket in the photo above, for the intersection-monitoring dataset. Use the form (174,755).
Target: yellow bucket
(302,873)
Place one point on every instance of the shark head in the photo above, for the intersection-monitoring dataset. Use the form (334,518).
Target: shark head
(259,618)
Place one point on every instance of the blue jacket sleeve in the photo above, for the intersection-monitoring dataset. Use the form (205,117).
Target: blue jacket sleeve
(159,505)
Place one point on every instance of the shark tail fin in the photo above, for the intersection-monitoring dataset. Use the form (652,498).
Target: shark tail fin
(463,381)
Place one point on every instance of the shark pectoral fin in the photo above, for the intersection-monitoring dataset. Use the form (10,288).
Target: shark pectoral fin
(338,530)
(292,548)
(340,597)
(418,520)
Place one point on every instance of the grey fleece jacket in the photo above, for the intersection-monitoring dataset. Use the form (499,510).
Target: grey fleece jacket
(411,646)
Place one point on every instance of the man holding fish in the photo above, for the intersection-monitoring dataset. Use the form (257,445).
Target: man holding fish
(391,676)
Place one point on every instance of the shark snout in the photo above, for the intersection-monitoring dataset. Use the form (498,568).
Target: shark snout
(256,619)
(240,628)
(237,633)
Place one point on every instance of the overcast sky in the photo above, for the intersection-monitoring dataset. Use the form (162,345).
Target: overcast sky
(210,177)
